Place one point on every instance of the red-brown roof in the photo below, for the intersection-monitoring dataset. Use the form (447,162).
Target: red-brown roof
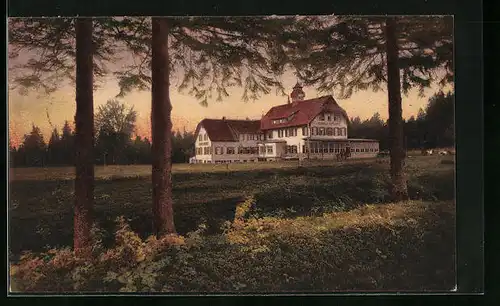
(227,129)
(304,112)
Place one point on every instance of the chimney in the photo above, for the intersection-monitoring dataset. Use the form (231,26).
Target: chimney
(288,99)
(224,118)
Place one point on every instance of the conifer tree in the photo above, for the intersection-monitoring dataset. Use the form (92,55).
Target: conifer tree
(207,56)
(46,52)
(361,53)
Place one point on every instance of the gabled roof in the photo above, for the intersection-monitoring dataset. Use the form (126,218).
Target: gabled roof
(227,129)
(304,112)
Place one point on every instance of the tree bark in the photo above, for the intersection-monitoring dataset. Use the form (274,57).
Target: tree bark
(161,125)
(84,135)
(399,189)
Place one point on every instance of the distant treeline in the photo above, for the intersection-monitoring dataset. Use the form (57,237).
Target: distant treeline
(433,127)
(109,150)
(114,144)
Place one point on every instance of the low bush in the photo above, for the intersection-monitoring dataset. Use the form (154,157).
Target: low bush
(374,247)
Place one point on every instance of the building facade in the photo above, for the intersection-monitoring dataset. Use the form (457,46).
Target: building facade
(300,129)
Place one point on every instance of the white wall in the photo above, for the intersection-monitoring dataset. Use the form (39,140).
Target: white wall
(366,146)
(340,123)
(246,142)
(290,140)
(232,157)
(203,143)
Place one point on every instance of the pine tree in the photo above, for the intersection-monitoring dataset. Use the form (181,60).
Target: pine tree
(361,53)
(207,55)
(56,46)
(54,148)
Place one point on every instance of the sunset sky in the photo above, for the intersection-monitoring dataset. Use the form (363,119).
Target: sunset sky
(34,108)
(24,110)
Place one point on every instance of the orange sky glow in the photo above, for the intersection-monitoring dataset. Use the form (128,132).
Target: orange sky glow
(51,111)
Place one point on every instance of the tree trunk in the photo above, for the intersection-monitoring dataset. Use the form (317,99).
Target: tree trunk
(399,190)
(161,124)
(84,135)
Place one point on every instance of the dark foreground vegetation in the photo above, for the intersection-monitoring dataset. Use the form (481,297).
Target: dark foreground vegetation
(312,228)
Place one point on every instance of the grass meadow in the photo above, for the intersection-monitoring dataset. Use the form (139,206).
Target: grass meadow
(321,226)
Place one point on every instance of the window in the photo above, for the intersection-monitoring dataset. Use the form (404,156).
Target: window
(329,117)
(357,150)
(304,150)
(269,149)
(206,151)
(210,150)
(262,150)
(286,132)
(291,149)
(280,133)
(270,135)
(230,150)
(254,150)
(314,131)
(329,131)
(317,148)
(305,131)
(242,137)
(275,121)
(219,150)
(321,117)
(200,137)
(205,137)
(321,131)
(335,118)
(240,150)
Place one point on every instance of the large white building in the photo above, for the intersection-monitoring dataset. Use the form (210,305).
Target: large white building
(303,129)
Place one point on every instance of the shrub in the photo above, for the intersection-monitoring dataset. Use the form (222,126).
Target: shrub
(372,247)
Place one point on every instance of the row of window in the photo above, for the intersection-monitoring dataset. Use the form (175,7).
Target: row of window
(315,131)
(251,137)
(328,117)
(333,148)
(315,148)
(290,132)
(203,150)
(240,150)
(321,131)
(203,137)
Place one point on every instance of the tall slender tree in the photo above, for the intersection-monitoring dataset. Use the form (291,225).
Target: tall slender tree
(399,189)
(55,47)
(207,55)
(84,135)
(364,53)
(161,125)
